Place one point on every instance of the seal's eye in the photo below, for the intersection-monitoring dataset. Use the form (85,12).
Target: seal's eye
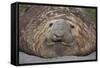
(50,24)
(72,26)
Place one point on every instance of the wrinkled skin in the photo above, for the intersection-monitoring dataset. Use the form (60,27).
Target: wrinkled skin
(58,39)
(56,32)
(60,31)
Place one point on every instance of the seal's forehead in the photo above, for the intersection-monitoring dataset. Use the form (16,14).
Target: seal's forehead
(57,21)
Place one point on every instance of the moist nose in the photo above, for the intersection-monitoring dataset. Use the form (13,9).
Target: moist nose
(59,35)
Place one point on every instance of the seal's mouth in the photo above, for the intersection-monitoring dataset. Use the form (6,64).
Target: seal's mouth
(59,40)
(57,47)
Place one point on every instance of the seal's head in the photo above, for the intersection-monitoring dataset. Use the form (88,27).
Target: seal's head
(59,32)
(58,38)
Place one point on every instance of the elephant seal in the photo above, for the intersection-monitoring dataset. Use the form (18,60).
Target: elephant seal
(55,32)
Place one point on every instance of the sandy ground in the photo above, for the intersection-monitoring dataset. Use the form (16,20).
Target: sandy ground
(24,58)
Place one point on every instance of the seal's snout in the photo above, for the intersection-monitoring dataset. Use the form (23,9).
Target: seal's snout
(58,35)
(59,30)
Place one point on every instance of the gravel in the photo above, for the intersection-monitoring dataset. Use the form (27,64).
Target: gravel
(25,58)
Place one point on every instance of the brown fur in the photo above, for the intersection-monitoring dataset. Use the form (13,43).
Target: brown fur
(34,35)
